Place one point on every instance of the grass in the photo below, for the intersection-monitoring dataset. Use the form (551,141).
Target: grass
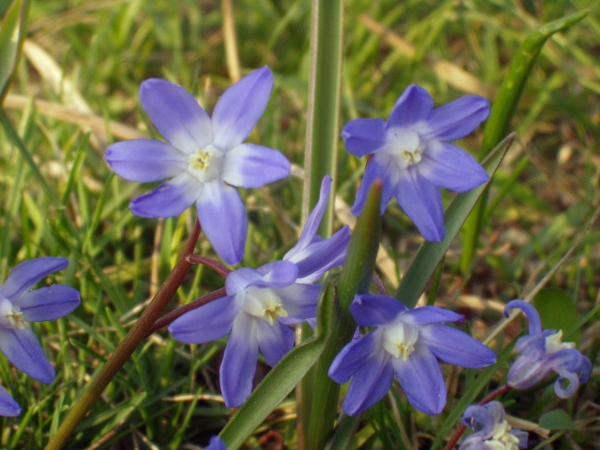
(68,110)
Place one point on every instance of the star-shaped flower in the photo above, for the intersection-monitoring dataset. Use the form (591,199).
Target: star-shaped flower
(204,157)
(405,343)
(410,155)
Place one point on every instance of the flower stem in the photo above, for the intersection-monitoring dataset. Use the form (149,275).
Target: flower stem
(123,352)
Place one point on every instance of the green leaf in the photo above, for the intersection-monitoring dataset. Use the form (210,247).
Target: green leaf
(12,35)
(557,420)
(430,254)
(557,311)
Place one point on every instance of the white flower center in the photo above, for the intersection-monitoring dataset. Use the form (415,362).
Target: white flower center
(554,343)
(206,164)
(264,303)
(502,439)
(11,315)
(399,340)
(404,146)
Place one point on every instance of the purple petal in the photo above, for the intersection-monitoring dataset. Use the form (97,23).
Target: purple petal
(176,114)
(22,348)
(300,300)
(145,160)
(455,347)
(566,384)
(456,119)
(223,219)
(274,340)
(253,166)
(422,381)
(48,303)
(379,167)
(28,273)
(421,200)
(535,324)
(414,105)
(364,136)
(451,167)
(528,370)
(487,416)
(369,310)
(8,406)
(169,199)
(216,444)
(354,356)
(239,361)
(240,107)
(428,315)
(274,274)
(207,323)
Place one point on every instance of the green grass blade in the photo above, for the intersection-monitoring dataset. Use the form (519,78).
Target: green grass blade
(12,35)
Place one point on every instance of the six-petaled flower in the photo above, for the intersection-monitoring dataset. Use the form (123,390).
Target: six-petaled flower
(412,158)
(405,343)
(204,157)
(543,352)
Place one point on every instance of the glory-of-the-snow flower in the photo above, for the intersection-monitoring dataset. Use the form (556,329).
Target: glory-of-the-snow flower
(8,406)
(406,343)
(542,352)
(204,157)
(18,304)
(410,155)
(261,303)
(492,431)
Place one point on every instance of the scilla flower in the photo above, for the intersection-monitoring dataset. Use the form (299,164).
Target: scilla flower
(204,157)
(412,158)
(492,432)
(406,343)
(261,303)
(18,304)
(543,352)
(8,406)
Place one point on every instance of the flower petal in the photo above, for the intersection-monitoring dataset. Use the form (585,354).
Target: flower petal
(369,310)
(455,347)
(300,300)
(176,114)
(421,200)
(22,348)
(364,136)
(239,361)
(145,160)
(414,105)
(48,303)
(354,356)
(274,274)
(422,381)
(428,315)
(253,166)
(8,406)
(535,324)
(379,167)
(274,340)
(223,219)
(28,273)
(216,444)
(566,384)
(240,107)
(169,199)
(451,167)
(207,323)
(456,119)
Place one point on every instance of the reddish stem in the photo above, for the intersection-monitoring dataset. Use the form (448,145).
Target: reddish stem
(208,262)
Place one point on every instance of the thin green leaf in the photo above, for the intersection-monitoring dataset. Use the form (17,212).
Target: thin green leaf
(12,35)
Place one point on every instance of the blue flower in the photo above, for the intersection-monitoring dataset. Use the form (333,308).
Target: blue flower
(261,303)
(216,444)
(543,352)
(405,343)
(412,159)
(19,305)
(8,406)
(492,432)
(204,157)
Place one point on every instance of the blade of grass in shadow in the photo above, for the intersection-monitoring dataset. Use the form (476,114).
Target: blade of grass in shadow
(502,112)
(12,35)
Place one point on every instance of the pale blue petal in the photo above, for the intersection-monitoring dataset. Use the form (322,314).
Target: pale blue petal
(354,356)
(535,324)
(527,371)
(216,444)
(450,167)
(274,340)
(421,379)
(22,348)
(253,166)
(223,219)
(455,347)
(240,279)
(421,200)
(487,416)
(176,114)
(169,199)
(370,309)
(145,160)
(48,303)
(566,384)
(239,361)
(28,273)
(379,167)
(8,406)
(456,119)
(300,300)
(240,107)
(276,274)
(428,315)
(207,323)
(364,136)
(413,106)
